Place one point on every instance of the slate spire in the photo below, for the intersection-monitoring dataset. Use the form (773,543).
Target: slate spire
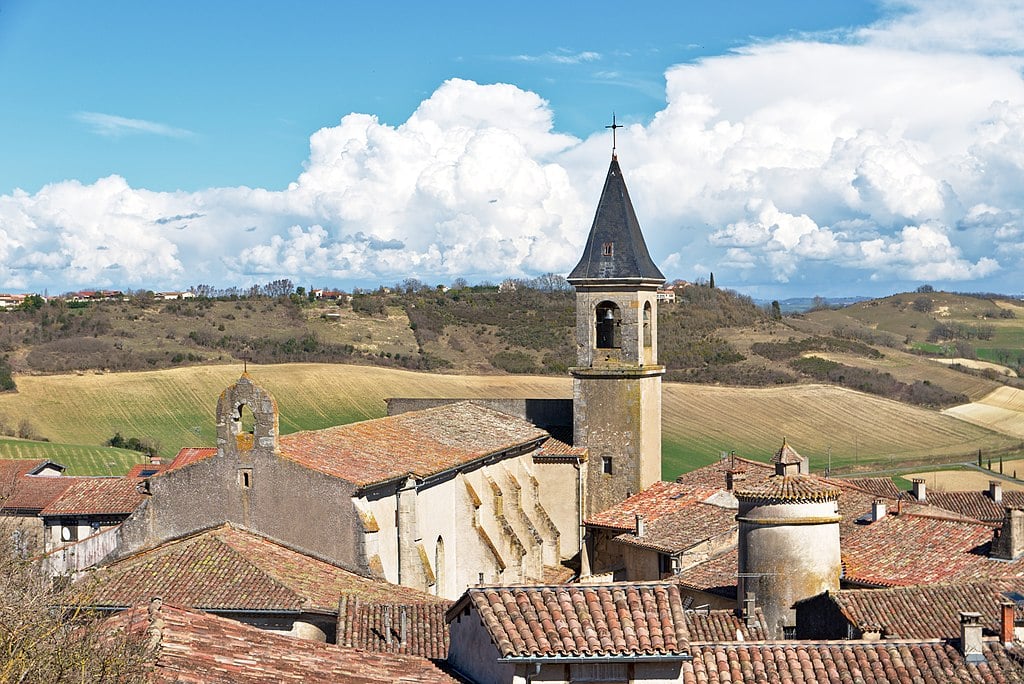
(615,248)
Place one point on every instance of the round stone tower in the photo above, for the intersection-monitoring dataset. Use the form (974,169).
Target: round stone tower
(788,544)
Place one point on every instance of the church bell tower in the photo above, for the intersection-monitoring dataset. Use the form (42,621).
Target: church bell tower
(617,379)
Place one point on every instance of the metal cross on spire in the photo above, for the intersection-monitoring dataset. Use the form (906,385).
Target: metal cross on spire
(613,127)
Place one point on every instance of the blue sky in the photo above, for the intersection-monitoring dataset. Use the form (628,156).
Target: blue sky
(792,148)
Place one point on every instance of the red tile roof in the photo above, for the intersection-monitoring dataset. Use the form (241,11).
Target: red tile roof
(146,469)
(198,648)
(715,576)
(657,500)
(188,455)
(724,625)
(556,447)
(96,496)
(879,486)
(675,532)
(977,505)
(924,612)
(849,661)
(13,468)
(419,443)
(378,627)
(582,619)
(32,494)
(909,549)
(225,568)
(713,476)
(790,488)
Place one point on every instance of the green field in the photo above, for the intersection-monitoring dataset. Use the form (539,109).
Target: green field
(176,407)
(80,460)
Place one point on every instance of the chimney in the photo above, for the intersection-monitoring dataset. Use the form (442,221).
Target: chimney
(1007,613)
(970,637)
(641,525)
(155,460)
(1009,539)
(995,491)
(748,608)
(387,625)
(877,510)
(733,478)
(919,491)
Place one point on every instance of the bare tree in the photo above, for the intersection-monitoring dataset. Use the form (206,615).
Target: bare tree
(46,636)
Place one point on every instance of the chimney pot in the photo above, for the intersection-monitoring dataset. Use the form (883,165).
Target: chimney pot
(920,493)
(995,490)
(970,637)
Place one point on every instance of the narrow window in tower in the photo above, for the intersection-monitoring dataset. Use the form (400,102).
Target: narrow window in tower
(606,465)
(245,478)
(647,324)
(608,249)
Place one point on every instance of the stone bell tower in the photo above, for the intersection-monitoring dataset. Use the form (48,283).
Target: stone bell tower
(617,379)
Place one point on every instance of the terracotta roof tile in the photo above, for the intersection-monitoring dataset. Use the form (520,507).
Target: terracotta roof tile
(227,568)
(556,447)
(715,576)
(146,469)
(713,476)
(790,488)
(680,530)
(924,612)
(657,500)
(724,625)
(379,627)
(13,468)
(582,619)
(32,494)
(189,455)
(198,648)
(420,443)
(977,505)
(909,549)
(878,486)
(849,661)
(96,496)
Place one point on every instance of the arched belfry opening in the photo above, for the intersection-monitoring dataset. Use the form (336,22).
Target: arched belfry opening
(247,418)
(608,321)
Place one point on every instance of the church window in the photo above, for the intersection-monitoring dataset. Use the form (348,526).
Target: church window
(647,324)
(606,465)
(245,478)
(608,323)
(608,249)
(439,569)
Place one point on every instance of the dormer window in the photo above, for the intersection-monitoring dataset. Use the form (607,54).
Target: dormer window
(608,249)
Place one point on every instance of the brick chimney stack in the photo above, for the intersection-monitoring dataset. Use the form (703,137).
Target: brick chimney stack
(1007,613)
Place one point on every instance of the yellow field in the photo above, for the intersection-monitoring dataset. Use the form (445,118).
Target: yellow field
(977,365)
(1001,410)
(966,480)
(815,419)
(177,408)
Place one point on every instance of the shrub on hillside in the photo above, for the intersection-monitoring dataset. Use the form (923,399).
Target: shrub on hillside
(7,383)
(514,362)
(873,382)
